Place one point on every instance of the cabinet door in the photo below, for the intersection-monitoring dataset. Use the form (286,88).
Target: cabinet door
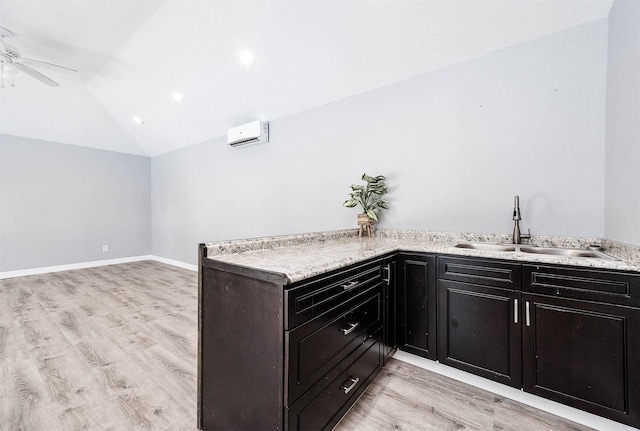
(390,344)
(417,304)
(479,330)
(583,354)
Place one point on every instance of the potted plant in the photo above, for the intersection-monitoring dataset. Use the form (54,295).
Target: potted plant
(369,196)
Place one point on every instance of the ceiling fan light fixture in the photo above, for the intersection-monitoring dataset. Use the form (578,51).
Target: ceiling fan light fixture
(12,60)
(9,71)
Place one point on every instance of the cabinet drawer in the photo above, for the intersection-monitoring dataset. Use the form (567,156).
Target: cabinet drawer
(325,404)
(596,285)
(310,299)
(319,345)
(486,272)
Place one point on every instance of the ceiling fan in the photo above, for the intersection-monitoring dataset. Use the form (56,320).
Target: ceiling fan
(13,62)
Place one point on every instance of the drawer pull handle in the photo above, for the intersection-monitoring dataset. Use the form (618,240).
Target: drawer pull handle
(515,311)
(353,384)
(352,327)
(527,315)
(350,285)
(387,278)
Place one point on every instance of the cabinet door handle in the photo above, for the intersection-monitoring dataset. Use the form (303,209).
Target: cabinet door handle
(515,311)
(353,384)
(527,316)
(352,327)
(388,277)
(350,285)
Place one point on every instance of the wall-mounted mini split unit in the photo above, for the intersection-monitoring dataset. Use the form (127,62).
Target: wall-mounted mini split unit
(250,133)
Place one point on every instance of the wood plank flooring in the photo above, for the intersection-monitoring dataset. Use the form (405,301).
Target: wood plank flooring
(114,348)
(107,348)
(406,397)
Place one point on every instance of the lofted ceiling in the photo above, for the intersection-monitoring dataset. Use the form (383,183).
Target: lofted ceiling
(131,56)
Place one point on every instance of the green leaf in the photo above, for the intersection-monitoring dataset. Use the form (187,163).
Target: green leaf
(367,178)
(350,203)
(372,215)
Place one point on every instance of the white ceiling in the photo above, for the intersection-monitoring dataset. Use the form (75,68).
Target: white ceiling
(132,55)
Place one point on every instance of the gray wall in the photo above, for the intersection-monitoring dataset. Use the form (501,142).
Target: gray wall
(623,124)
(59,204)
(456,145)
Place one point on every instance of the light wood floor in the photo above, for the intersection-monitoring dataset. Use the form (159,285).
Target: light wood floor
(107,348)
(114,348)
(406,397)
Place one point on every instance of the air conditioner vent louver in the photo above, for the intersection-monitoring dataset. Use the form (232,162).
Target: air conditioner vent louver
(250,133)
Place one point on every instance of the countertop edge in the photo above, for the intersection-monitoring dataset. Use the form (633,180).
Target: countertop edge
(235,268)
(291,258)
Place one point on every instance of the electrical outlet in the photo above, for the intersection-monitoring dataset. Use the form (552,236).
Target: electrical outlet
(105,248)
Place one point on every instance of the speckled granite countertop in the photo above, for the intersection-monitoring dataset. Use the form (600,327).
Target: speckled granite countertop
(302,256)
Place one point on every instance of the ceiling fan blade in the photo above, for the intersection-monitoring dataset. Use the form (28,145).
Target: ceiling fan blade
(35,74)
(31,60)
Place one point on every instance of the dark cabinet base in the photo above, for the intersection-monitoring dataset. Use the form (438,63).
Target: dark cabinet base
(478,331)
(416,284)
(274,355)
(585,355)
(568,334)
(389,338)
(323,406)
(478,318)
(236,307)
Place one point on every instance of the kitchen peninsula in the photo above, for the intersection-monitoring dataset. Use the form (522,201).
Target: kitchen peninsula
(293,328)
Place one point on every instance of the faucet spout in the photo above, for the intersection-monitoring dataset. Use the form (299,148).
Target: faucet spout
(516,209)
(517,235)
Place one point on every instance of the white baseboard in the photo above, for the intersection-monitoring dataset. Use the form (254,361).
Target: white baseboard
(177,263)
(82,265)
(71,266)
(566,412)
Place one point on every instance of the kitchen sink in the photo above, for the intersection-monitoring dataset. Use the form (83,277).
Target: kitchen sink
(486,246)
(566,252)
(549,251)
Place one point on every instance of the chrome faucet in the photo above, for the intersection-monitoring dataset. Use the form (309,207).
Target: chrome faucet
(517,236)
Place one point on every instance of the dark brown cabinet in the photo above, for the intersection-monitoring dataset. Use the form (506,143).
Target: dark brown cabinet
(313,349)
(568,334)
(280,356)
(390,343)
(578,351)
(324,405)
(478,318)
(416,306)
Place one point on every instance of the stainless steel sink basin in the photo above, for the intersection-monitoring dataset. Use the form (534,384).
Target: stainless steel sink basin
(566,252)
(549,251)
(485,246)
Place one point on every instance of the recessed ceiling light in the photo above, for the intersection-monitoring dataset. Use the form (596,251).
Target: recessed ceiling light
(138,120)
(178,97)
(247,58)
